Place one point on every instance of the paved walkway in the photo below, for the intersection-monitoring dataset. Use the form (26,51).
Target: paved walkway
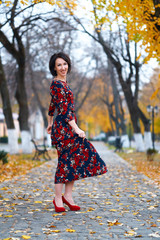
(121,204)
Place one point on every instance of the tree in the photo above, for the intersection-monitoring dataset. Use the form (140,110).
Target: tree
(7,110)
(115,108)
(19,20)
(124,56)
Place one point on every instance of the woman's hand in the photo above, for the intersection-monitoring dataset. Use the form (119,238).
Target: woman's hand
(49,129)
(80,132)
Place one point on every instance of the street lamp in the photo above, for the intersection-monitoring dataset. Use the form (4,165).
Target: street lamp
(153,110)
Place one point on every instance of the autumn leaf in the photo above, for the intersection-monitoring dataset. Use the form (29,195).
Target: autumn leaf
(113,210)
(92,232)
(38,202)
(132,195)
(90,209)
(115,222)
(108,203)
(26,237)
(70,230)
(52,226)
(130,233)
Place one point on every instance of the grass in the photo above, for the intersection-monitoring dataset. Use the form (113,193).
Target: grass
(20,164)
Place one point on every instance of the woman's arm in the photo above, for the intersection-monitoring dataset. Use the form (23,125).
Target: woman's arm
(50,121)
(75,127)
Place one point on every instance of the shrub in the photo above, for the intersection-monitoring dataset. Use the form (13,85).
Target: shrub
(4,139)
(4,156)
(151,153)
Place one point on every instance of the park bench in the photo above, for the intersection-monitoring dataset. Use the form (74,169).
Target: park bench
(118,144)
(40,150)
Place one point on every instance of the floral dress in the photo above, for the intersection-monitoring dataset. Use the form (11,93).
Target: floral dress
(77,158)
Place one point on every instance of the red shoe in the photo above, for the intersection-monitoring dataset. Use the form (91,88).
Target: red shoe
(72,207)
(58,209)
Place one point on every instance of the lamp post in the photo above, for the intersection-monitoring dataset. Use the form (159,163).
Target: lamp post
(152,110)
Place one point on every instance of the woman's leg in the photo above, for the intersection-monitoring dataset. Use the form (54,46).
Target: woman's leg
(58,194)
(68,192)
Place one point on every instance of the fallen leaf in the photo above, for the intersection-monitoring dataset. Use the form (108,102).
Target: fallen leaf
(114,222)
(152,207)
(56,231)
(92,232)
(153,225)
(26,237)
(90,209)
(70,230)
(4,188)
(37,201)
(130,233)
(135,213)
(113,210)
(52,226)
(8,216)
(108,203)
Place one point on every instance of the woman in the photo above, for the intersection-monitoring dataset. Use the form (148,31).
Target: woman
(77,158)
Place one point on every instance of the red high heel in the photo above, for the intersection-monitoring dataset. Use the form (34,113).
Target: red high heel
(72,207)
(58,209)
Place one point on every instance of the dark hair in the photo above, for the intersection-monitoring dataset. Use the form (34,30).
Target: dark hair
(52,61)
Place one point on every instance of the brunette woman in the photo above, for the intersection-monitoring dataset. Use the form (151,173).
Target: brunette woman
(77,158)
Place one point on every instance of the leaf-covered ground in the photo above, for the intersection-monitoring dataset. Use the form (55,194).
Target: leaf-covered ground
(139,160)
(20,164)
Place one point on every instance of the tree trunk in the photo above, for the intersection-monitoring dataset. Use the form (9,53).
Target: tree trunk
(126,87)
(134,114)
(147,133)
(21,97)
(117,101)
(7,111)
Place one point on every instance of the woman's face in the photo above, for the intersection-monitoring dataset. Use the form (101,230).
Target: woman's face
(61,67)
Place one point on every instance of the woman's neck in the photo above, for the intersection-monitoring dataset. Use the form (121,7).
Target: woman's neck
(60,78)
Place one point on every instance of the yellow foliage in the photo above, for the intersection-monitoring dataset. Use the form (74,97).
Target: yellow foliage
(139,18)
(69,4)
(94,115)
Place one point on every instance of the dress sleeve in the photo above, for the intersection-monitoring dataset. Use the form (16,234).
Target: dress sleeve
(51,108)
(62,100)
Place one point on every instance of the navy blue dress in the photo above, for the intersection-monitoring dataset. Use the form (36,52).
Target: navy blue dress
(77,158)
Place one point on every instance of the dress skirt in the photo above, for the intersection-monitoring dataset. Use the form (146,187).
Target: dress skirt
(79,159)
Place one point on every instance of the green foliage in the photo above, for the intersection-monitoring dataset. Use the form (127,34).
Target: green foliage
(4,156)
(4,139)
